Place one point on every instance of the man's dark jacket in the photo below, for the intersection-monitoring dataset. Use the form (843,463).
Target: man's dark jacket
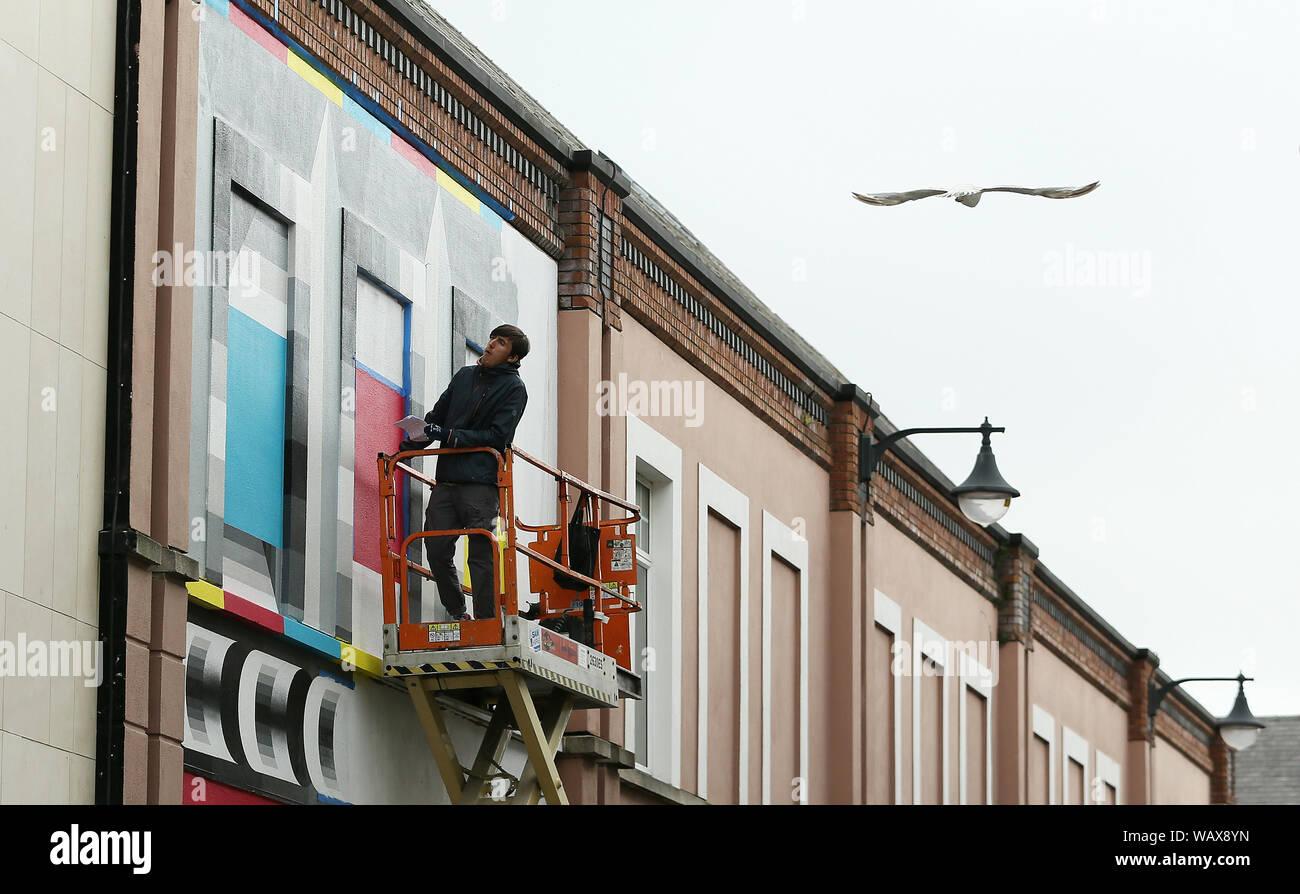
(481,407)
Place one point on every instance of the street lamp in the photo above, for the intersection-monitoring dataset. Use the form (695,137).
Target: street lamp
(1239,729)
(984,497)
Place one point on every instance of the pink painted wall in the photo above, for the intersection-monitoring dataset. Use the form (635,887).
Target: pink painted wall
(1176,779)
(924,590)
(1075,703)
(776,477)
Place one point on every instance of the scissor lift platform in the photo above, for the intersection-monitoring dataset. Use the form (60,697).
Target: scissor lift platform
(548,661)
(530,676)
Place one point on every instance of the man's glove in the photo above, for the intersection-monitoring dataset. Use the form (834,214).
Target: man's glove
(431,433)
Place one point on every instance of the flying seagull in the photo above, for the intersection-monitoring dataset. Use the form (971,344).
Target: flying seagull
(970,196)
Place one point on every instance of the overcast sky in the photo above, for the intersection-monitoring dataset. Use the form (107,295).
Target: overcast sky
(1137,343)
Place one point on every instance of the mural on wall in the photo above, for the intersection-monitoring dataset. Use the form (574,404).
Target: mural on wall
(364,276)
(261,715)
(256,544)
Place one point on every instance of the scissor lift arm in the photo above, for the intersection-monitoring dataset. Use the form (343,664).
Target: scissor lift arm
(541,733)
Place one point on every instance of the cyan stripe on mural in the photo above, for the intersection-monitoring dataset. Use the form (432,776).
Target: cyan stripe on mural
(312,638)
(486,213)
(255,393)
(349,91)
(367,120)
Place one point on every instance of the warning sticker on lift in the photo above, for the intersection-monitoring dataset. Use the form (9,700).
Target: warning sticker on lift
(620,554)
(560,646)
(444,633)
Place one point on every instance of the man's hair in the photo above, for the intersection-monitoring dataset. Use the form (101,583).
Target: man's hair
(518,341)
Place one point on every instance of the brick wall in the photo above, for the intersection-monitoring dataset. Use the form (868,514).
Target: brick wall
(1048,631)
(1177,735)
(677,327)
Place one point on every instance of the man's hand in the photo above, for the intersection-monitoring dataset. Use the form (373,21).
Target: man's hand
(431,433)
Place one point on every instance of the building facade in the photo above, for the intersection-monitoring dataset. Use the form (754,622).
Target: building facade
(56,172)
(322,209)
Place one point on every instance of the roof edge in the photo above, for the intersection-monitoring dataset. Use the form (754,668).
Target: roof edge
(534,126)
(690,260)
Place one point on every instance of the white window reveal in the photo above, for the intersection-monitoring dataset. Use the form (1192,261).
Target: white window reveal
(653,726)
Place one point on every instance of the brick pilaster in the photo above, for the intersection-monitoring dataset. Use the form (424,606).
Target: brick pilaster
(1221,782)
(850,418)
(1015,569)
(1137,778)
(850,414)
(1140,674)
(590,214)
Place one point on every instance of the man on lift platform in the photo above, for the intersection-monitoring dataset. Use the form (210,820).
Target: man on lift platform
(481,407)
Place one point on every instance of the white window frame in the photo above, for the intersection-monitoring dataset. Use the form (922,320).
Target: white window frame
(1074,747)
(889,616)
(1044,727)
(644,559)
(659,460)
(781,540)
(929,644)
(732,505)
(976,677)
(1109,772)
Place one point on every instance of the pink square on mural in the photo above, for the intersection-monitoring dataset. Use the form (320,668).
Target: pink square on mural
(378,407)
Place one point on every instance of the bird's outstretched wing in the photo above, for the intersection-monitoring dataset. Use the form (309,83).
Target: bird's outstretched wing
(897,198)
(1049,192)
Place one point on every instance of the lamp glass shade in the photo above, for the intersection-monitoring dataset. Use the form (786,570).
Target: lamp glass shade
(982,507)
(985,496)
(1240,728)
(1239,738)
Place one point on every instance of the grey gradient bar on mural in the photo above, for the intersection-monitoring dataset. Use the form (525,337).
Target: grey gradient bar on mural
(293,602)
(343,626)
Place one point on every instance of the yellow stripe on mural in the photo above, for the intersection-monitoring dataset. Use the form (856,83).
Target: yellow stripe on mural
(362,661)
(206,592)
(299,66)
(447,182)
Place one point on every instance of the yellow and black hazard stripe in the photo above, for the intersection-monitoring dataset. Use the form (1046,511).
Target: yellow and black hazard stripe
(567,682)
(446,667)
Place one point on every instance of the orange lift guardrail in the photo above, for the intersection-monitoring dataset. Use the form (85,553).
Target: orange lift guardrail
(571,649)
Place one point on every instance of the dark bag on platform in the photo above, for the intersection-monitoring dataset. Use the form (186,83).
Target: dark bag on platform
(584,540)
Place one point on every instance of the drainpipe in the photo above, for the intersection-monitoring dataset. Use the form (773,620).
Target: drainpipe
(115,539)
